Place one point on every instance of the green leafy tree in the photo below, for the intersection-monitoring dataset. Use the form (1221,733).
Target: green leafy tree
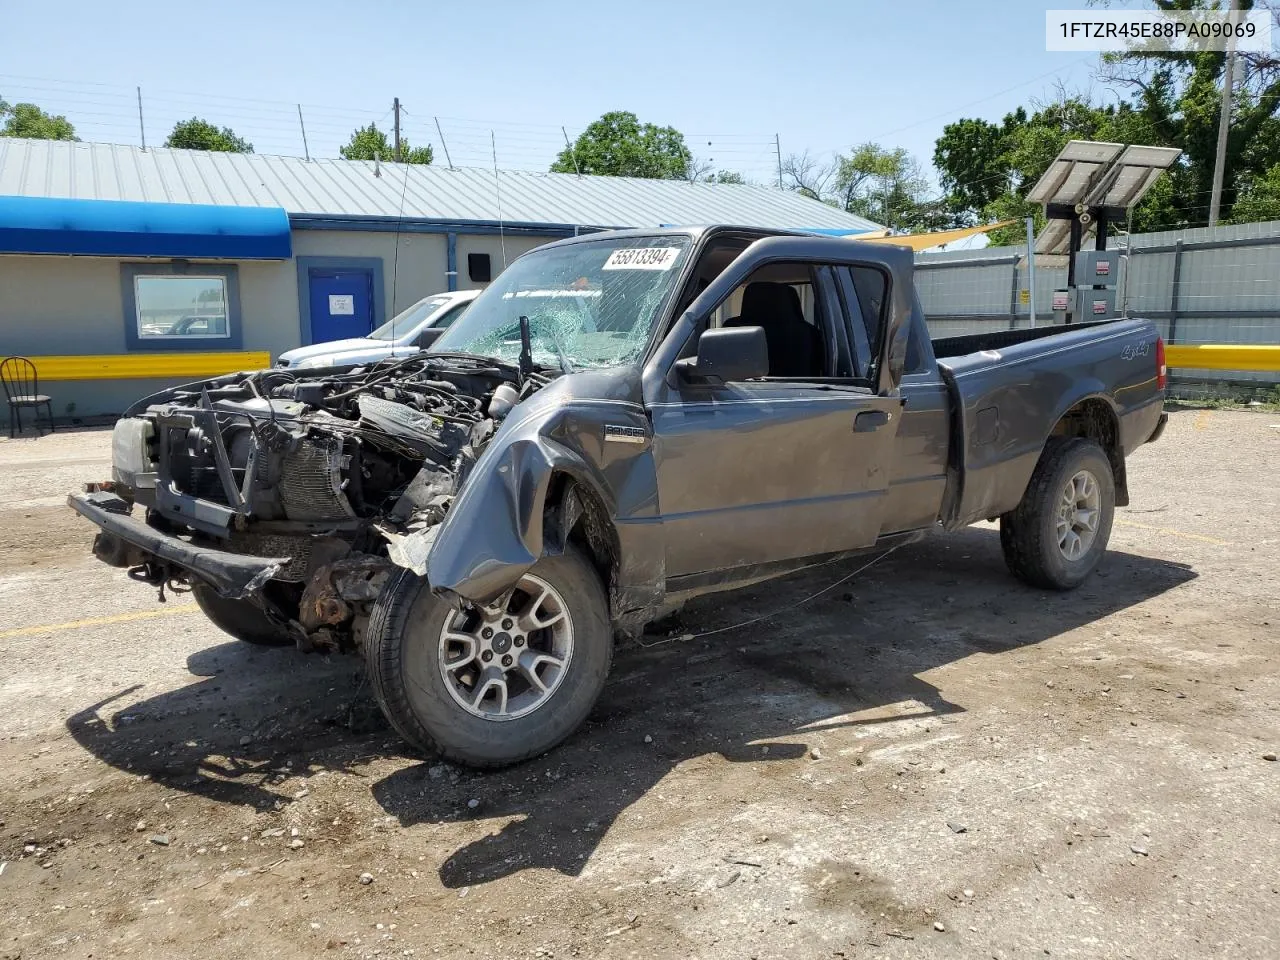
(972,166)
(197,134)
(619,145)
(1259,198)
(370,143)
(724,176)
(1179,96)
(1170,99)
(987,168)
(28,120)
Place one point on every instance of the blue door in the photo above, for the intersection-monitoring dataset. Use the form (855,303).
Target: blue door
(341,304)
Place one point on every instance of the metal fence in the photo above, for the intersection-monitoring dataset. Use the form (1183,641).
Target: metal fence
(1208,285)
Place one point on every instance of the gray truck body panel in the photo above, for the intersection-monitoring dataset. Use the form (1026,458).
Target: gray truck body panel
(690,485)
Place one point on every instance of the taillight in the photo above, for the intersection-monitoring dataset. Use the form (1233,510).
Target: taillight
(1162,372)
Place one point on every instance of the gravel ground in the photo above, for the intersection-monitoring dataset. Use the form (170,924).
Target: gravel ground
(927,761)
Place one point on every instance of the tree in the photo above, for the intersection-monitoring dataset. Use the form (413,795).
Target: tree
(1259,198)
(1171,99)
(370,143)
(28,120)
(724,176)
(808,176)
(970,159)
(619,145)
(197,134)
(886,185)
(987,168)
(1179,97)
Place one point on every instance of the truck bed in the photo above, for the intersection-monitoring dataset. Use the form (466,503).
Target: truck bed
(1010,388)
(945,347)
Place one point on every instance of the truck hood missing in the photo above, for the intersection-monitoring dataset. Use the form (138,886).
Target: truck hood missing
(437,464)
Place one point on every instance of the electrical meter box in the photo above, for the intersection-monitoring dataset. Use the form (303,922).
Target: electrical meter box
(1097,267)
(1094,304)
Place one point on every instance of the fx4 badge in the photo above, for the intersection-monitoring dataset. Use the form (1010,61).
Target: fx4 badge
(623,434)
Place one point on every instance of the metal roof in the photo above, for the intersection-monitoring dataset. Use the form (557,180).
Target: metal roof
(361,188)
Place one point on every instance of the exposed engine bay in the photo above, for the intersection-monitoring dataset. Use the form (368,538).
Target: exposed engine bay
(341,475)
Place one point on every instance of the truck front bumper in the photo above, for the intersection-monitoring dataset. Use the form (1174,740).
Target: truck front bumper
(125,541)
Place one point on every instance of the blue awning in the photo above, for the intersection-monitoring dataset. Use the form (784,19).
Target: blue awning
(121,228)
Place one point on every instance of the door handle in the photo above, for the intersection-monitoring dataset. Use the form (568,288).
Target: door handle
(869,420)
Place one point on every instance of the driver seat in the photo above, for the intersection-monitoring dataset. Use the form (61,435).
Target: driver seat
(795,345)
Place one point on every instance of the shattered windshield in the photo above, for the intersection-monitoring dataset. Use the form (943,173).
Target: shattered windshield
(404,322)
(589,304)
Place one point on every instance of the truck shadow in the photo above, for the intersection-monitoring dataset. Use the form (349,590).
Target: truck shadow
(852,657)
(258,717)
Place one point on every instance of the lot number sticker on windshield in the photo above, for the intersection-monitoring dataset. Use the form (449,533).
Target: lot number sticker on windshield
(642,258)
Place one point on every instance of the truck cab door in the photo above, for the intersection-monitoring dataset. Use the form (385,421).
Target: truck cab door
(758,471)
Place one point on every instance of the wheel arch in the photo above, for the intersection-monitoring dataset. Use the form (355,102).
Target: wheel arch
(575,510)
(1095,418)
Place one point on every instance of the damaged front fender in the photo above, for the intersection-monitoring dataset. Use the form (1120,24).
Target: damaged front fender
(495,531)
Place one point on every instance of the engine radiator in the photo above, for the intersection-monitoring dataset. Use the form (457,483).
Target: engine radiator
(311,481)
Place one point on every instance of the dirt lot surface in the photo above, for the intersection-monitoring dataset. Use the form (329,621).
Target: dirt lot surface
(927,761)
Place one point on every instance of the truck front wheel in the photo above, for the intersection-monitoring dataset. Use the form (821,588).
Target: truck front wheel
(1058,533)
(492,688)
(240,618)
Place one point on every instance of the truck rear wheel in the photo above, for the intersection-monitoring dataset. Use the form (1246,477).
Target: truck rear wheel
(489,690)
(1058,533)
(240,618)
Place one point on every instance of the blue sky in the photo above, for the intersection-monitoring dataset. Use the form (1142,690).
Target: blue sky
(823,76)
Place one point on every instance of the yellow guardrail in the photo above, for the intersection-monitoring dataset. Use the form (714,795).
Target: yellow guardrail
(142,366)
(145,366)
(1222,356)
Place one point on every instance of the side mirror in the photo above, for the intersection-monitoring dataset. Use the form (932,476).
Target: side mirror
(728,353)
(429,336)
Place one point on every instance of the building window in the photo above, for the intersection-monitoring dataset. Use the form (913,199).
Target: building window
(180,306)
(168,307)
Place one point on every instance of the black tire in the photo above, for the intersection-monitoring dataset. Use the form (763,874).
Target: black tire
(1029,532)
(401,654)
(241,619)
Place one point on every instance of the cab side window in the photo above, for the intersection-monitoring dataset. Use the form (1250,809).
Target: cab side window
(794,304)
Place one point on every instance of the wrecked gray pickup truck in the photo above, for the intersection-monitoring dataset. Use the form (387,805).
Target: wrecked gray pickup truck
(619,422)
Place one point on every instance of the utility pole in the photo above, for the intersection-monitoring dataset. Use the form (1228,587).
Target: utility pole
(142,130)
(777,145)
(396,107)
(1224,122)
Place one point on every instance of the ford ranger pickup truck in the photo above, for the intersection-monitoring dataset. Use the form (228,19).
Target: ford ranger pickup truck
(619,422)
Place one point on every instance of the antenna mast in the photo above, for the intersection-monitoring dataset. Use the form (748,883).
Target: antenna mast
(572,153)
(306,151)
(502,240)
(443,143)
